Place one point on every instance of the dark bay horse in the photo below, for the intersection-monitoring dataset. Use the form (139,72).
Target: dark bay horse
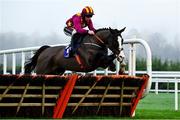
(92,53)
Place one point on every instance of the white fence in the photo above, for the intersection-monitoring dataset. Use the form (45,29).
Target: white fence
(168,78)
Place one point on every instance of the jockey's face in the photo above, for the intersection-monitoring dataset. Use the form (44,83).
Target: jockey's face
(87,18)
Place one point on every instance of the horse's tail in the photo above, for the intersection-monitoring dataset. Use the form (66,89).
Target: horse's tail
(31,63)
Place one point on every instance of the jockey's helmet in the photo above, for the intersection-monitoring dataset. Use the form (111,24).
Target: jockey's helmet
(87,11)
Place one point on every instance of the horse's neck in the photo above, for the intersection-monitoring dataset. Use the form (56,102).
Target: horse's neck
(103,35)
(91,47)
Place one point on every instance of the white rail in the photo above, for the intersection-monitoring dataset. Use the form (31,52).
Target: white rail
(157,79)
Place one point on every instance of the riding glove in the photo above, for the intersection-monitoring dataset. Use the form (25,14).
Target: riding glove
(91,32)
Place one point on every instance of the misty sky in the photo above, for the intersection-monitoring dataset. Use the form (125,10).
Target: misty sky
(45,17)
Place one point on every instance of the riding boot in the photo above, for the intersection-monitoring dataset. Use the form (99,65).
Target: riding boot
(74,40)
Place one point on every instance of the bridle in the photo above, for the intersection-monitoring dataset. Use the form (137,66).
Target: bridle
(118,56)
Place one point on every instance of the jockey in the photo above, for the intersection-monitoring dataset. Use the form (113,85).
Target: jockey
(76,24)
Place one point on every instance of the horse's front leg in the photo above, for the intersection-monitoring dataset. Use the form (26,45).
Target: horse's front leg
(112,66)
(108,61)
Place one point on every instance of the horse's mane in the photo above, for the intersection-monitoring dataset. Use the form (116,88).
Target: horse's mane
(100,29)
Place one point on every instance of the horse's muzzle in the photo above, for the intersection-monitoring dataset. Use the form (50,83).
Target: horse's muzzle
(117,52)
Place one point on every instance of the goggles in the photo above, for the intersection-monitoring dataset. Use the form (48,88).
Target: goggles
(89,16)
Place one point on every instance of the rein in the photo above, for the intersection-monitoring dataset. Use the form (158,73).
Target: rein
(98,38)
(93,44)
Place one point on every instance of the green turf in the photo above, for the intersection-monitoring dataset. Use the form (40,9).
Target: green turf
(161,101)
(160,106)
(157,114)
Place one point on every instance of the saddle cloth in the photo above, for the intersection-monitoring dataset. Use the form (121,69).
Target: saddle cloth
(67,51)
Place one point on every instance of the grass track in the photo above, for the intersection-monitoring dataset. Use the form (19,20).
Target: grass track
(159,106)
(157,114)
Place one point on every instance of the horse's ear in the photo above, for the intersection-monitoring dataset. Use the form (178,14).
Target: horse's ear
(122,30)
(112,30)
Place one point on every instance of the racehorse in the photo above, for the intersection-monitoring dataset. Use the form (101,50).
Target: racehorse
(91,54)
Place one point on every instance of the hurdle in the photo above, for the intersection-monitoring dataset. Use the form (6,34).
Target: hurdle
(54,96)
